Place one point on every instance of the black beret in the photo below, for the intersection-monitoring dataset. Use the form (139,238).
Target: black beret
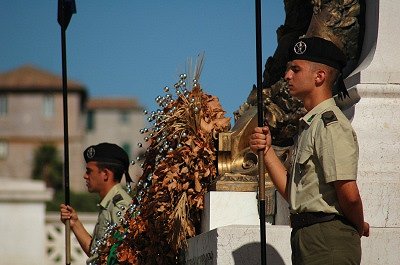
(318,50)
(106,152)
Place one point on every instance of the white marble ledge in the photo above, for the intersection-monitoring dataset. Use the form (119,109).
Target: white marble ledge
(239,244)
(23,190)
(379,90)
(223,208)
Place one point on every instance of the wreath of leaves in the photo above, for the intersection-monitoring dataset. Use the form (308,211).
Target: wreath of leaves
(179,166)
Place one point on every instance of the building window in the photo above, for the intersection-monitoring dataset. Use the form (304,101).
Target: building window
(48,106)
(124,117)
(3,149)
(90,120)
(3,105)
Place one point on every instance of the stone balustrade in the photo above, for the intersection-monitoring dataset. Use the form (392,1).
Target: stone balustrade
(55,239)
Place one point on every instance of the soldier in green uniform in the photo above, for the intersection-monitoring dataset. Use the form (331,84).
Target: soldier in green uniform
(326,209)
(105,165)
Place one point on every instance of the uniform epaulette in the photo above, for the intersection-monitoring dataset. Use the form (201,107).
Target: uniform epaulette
(117,198)
(328,117)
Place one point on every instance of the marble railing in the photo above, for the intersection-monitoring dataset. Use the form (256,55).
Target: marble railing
(55,239)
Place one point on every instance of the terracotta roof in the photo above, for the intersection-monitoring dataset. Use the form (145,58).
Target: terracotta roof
(112,103)
(32,78)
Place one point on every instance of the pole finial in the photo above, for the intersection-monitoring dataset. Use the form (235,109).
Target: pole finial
(65,10)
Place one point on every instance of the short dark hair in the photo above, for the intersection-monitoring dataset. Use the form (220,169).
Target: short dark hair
(333,73)
(117,169)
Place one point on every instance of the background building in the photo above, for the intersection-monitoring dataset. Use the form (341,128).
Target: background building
(31,114)
(116,120)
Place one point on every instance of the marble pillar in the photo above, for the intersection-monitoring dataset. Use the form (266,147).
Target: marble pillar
(22,221)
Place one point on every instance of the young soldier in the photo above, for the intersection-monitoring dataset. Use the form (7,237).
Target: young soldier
(105,165)
(321,189)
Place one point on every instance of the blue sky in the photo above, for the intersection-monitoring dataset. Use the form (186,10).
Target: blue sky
(127,48)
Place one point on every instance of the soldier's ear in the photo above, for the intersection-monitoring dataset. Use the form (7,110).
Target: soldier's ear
(320,77)
(107,174)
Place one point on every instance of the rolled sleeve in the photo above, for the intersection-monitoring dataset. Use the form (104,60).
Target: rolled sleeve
(337,151)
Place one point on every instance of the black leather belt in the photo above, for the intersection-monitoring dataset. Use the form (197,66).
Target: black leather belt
(301,220)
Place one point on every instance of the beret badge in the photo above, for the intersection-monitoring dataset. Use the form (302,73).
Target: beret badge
(90,152)
(300,47)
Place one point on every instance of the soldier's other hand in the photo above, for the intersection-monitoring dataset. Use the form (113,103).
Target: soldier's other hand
(365,229)
(68,213)
(260,139)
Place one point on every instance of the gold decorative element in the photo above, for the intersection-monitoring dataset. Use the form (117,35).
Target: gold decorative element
(234,155)
(336,21)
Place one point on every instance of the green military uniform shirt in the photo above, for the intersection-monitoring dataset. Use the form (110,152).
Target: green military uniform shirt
(326,151)
(112,209)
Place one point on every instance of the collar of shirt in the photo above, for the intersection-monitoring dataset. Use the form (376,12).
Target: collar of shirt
(111,193)
(309,117)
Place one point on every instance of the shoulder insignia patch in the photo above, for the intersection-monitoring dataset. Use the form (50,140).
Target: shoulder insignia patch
(117,198)
(328,117)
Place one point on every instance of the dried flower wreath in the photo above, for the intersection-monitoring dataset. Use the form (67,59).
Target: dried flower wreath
(179,166)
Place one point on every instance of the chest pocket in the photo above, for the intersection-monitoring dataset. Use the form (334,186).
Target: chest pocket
(301,166)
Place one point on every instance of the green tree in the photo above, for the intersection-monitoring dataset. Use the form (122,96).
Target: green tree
(47,166)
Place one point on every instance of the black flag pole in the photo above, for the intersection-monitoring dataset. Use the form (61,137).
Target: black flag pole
(260,116)
(65,10)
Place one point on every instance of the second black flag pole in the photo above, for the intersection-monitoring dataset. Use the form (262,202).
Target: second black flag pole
(260,118)
(65,10)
